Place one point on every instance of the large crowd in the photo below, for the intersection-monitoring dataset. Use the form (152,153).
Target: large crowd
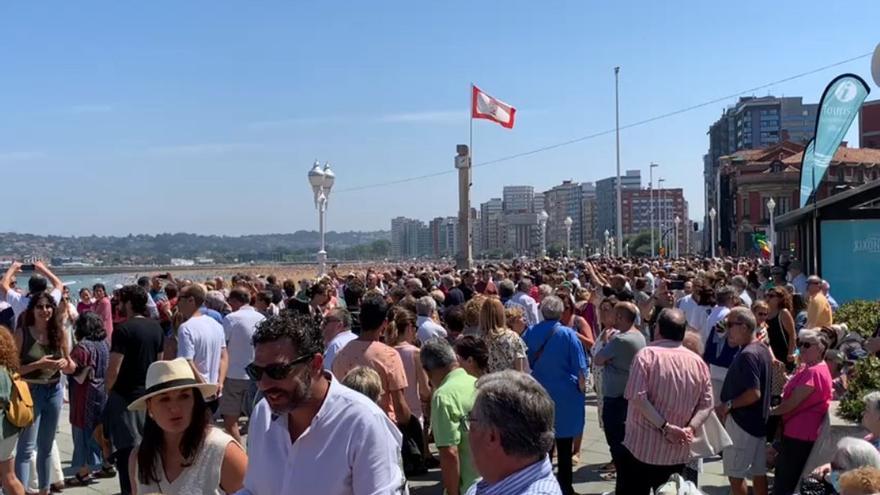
(354,383)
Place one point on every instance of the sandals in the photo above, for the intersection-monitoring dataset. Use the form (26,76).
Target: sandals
(79,480)
(106,471)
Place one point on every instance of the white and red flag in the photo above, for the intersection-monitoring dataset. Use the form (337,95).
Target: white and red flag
(486,107)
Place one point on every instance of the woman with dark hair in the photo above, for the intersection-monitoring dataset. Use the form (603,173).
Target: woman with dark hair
(44,355)
(473,355)
(88,396)
(8,432)
(181,452)
(781,326)
(799,310)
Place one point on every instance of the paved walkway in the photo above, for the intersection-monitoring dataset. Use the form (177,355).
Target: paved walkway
(594,453)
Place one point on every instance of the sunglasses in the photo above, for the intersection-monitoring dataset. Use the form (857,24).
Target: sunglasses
(43,307)
(277,371)
(805,345)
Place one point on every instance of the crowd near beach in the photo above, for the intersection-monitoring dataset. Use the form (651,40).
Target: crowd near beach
(365,378)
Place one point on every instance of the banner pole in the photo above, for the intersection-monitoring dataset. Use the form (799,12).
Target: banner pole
(471,120)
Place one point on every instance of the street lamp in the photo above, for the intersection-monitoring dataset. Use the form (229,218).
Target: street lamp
(542,224)
(321,181)
(607,244)
(771,205)
(712,214)
(568,221)
(661,208)
(626,248)
(677,222)
(651,206)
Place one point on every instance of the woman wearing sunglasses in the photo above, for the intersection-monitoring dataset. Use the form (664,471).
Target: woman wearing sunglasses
(44,355)
(805,401)
(181,451)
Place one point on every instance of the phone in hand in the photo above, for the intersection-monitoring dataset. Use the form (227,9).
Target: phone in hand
(28,268)
(676,285)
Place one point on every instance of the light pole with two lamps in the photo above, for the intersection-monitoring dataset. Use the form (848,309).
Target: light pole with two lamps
(542,224)
(712,214)
(568,221)
(321,181)
(607,242)
(771,205)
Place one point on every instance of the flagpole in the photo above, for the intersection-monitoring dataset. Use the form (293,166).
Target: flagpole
(471,120)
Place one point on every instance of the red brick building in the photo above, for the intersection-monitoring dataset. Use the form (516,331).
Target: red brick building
(667,203)
(869,125)
(754,176)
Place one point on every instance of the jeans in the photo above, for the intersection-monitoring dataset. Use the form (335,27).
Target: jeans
(86,451)
(635,477)
(792,458)
(122,456)
(614,421)
(564,464)
(39,435)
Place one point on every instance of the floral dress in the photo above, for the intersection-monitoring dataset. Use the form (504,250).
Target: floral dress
(505,347)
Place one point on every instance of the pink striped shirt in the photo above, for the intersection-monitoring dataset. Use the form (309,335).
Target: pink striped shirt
(677,382)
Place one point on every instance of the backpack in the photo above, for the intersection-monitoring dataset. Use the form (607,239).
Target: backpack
(20,410)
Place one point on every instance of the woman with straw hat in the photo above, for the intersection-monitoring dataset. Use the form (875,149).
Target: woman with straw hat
(181,451)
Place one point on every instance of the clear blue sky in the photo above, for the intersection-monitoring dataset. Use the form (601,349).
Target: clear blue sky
(204,116)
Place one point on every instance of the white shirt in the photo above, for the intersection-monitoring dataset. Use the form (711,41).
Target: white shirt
(800,283)
(429,329)
(531,307)
(19,302)
(238,327)
(336,344)
(152,309)
(351,448)
(202,340)
(745,298)
(687,304)
(718,313)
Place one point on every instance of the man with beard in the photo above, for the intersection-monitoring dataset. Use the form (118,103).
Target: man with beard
(304,411)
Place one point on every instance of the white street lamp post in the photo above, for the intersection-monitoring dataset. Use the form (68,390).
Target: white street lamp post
(542,223)
(607,241)
(321,181)
(651,206)
(568,221)
(626,249)
(771,205)
(675,241)
(712,214)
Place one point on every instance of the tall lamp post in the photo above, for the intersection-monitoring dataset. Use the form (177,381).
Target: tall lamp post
(771,205)
(542,224)
(568,221)
(660,209)
(677,223)
(607,243)
(712,214)
(321,181)
(651,206)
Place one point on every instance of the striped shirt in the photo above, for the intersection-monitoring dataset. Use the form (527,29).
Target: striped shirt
(535,479)
(677,383)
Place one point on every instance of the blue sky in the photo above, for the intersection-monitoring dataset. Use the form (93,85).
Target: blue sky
(204,116)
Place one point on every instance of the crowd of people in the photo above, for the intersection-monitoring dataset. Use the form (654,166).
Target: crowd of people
(346,381)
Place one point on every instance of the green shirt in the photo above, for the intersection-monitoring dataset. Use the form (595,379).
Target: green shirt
(450,406)
(7,429)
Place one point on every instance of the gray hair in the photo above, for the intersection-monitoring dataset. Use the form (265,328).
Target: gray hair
(725,295)
(854,453)
(343,315)
(739,282)
(425,306)
(437,354)
(414,282)
(545,290)
(519,408)
(524,285)
(744,316)
(364,380)
(872,401)
(552,308)
(447,280)
(506,288)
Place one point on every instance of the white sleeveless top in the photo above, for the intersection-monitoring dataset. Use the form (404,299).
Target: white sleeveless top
(202,477)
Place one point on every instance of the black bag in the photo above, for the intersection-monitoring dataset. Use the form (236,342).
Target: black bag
(813,486)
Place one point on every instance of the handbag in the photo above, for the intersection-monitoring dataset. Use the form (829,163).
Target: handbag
(712,438)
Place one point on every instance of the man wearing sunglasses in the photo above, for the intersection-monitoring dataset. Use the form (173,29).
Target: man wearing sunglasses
(311,434)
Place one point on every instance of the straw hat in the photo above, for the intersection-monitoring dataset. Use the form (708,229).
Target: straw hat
(165,376)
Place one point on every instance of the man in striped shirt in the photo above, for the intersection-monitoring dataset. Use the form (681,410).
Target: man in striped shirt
(511,431)
(670,396)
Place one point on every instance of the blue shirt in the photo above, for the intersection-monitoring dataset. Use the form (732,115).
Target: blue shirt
(557,370)
(214,314)
(536,479)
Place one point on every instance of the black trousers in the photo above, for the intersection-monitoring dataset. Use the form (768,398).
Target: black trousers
(792,458)
(634,477)
(122,456)
(563,465)
(614,422)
